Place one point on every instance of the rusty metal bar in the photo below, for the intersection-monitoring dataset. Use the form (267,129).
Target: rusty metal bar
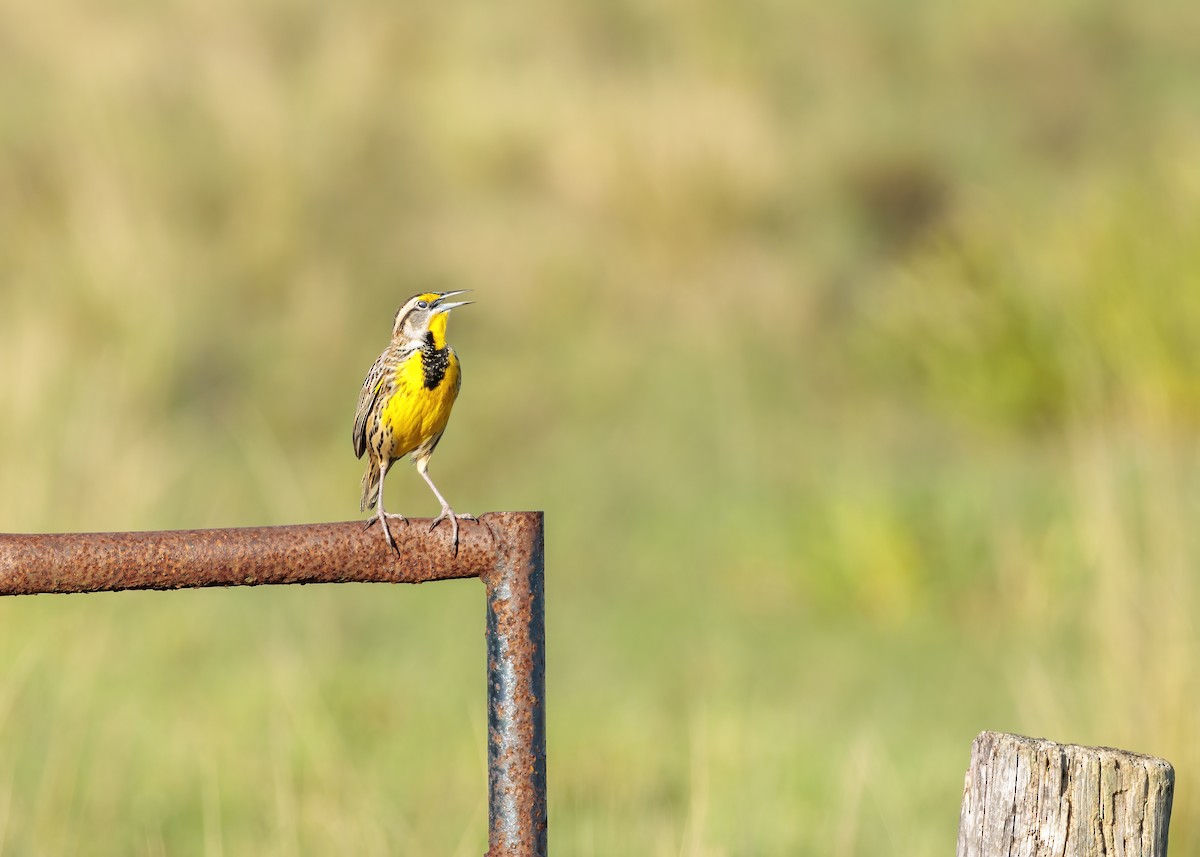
(504,549)
(516,647)
(246,556)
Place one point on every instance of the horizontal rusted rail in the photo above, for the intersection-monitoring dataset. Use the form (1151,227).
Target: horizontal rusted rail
(248,556)
(504,549)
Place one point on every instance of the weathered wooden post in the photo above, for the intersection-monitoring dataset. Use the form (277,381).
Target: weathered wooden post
(1027,797)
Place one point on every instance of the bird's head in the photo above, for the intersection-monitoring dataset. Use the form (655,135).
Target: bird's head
(422,319)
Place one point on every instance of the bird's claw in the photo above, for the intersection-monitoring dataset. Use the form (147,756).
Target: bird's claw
(448,514)
(387,531)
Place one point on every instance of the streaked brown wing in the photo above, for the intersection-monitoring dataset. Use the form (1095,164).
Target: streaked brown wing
(367,397)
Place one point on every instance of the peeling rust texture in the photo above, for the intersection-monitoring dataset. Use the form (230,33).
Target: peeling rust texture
(516,674)
(504,549)
(250,556)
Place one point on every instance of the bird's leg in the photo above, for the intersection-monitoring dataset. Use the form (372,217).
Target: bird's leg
(381,516)
(382,513)
(447,513)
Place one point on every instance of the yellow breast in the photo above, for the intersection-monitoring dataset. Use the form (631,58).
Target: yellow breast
(416,414)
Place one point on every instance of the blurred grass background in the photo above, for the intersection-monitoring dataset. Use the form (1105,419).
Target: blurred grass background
(851,350)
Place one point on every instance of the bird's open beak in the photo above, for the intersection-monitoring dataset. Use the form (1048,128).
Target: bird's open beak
(441,306)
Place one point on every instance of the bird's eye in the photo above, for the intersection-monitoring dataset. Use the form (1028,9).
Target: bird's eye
(422,304)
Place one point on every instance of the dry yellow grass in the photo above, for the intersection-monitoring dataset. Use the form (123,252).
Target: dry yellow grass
(849,349)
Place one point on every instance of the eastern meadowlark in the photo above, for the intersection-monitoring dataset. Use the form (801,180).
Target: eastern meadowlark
(405,403)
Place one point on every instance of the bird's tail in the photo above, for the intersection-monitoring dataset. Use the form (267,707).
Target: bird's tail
(370,486)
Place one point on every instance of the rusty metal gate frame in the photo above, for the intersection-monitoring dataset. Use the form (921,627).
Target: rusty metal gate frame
(504,550)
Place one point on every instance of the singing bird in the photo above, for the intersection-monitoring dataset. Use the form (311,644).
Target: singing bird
(405,403)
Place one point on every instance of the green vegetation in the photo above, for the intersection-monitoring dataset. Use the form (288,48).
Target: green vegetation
(852,350)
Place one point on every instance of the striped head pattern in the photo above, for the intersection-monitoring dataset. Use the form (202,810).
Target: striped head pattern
(422,318)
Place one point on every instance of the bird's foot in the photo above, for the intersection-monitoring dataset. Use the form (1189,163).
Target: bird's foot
(387,531)
(447,514)
(374,519)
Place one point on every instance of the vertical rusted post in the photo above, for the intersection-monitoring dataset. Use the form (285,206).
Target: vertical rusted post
(516,676)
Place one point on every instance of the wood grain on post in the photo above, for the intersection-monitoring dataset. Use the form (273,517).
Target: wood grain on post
(1027,797)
